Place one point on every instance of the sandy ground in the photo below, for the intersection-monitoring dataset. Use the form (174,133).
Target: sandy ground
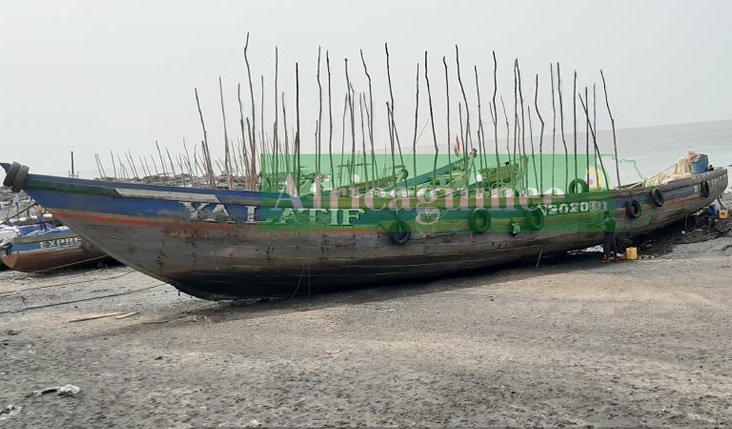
(573,342)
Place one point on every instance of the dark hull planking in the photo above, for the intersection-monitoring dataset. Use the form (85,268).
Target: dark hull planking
(141,227)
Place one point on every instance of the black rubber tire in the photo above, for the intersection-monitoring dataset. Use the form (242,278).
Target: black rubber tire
(633,209)
(657,197)
(705,190)
(572,188)
(400,233)
(534,219)
(480,220)
(11,173)
(20,179)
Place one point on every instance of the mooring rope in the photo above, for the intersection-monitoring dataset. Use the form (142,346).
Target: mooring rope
(56,304)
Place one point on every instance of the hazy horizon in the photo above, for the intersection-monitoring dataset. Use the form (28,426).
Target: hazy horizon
(93,77)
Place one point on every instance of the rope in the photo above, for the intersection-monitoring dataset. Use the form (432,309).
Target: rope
(61,284)
(16,214)
(81,300)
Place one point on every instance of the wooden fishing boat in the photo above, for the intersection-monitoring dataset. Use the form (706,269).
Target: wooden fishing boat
(224,244)
(35,250)
(7,235)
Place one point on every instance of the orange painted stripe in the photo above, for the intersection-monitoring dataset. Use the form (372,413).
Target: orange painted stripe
(131,220)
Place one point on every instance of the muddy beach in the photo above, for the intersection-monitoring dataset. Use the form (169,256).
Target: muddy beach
(572,342)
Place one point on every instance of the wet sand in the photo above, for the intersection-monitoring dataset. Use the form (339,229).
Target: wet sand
(573,342)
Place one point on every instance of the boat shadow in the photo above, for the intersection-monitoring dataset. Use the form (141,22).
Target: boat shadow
(224,311)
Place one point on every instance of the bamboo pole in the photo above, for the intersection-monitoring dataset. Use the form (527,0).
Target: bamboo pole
(481,133)
(369,120)
(523,126)
(122,169)
(132,164)
(247,172)
(515,121)
(392,143)
(541,137)
(349,89)
(561,123)
(206,155)
(160,155)
(114,166)
(392,108)
(447,106)
(99,165)
(494,111)
(574,118)
(287,143)
(462,130)
(330,121)
(188,161)
(466,138)
(612,123)
(554,128)
(343,142)
(416,119)
(276,142)
(251,127)
(320,118)
(363,136)
(508,129)
(515,116)
(227,160)
(592,131)
(587,141)
(146,169)
(266,149)
(533,150)
(253,177)
(196,163)
(172,166)
(297,133)
(594,119)
(432,118)
(370,116)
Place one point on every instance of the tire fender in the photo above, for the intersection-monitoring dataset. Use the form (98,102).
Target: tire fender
(479,220)
(572,188)
(400,232)
(20,179)
(535,219)
(633,209)
(657,197)
(11,173)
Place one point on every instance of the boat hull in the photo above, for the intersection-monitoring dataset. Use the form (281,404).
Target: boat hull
(213,244)
(51,250)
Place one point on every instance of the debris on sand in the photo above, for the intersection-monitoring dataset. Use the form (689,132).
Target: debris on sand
(8,411)
(96,316)
(67,390)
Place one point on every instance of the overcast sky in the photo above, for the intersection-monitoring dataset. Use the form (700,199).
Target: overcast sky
(115,76)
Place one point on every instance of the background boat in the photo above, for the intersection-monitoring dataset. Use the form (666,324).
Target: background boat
(35,250)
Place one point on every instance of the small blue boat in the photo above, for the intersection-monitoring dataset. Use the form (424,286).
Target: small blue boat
(36,249)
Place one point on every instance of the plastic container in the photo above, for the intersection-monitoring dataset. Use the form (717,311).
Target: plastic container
(631,253)
(700,164)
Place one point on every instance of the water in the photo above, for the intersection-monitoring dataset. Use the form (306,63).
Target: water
(656,148)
